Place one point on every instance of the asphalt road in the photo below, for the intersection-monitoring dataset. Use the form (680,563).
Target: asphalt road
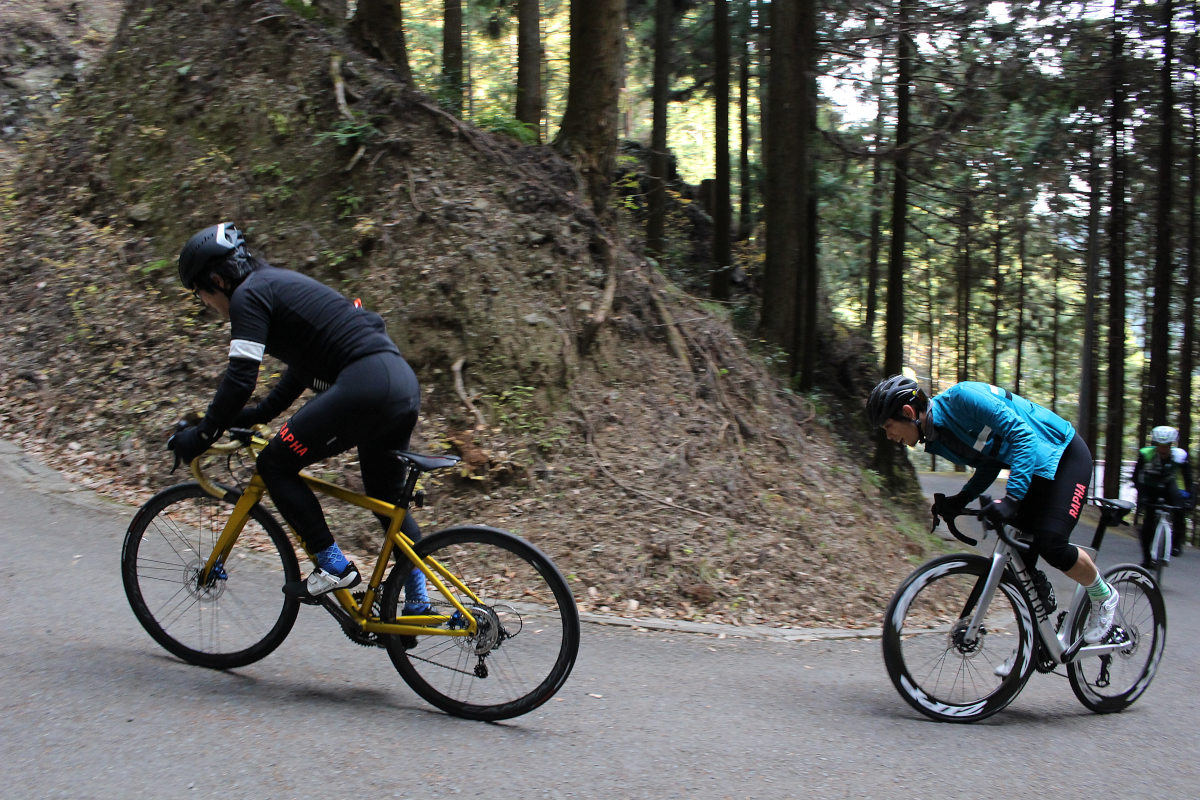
(90,707)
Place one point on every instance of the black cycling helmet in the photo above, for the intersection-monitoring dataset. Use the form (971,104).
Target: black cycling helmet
(207,248)
(890,396)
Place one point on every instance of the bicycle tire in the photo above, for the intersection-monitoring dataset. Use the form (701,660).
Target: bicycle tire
(237,619)
(529,627)
(937,673)
(1111,683)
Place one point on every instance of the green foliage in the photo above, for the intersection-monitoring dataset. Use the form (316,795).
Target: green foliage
(280,122)
(157,265)
(628,191)
(335,258)
(508,126)
(872,478)
(302,7)
(348,204)
(515,410)
(271,170)
(350,132)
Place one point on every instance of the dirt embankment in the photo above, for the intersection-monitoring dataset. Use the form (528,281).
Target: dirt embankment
(619,423)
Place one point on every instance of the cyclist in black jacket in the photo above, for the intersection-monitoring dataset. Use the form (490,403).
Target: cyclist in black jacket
(1162,472)
(367,394)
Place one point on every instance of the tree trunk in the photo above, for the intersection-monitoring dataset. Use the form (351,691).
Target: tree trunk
(997,299)
(1054,324)
(875,242)
(745,213)
(963,293)
(890,459)
(1188,346)
(1089,377)
(722,255)
(1022,282)
(1114,438)
(378,28)
(656,223)
(1159,385)
(452,57)
(529,66)
(893,359)
(588,133)
(786,271)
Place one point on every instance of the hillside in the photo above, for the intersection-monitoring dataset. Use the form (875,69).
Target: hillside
(616,421)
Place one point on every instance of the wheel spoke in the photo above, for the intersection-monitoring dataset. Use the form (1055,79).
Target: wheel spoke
(240,615)
(528,628)
(932,664)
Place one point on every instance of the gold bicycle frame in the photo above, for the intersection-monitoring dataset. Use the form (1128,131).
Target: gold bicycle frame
(394,538)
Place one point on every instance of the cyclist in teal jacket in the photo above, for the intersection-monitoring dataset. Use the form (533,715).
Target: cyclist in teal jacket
(991,429)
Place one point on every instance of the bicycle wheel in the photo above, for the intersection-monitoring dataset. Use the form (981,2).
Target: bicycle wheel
(931,663)
(1113,681)
(528,634)
(239,616)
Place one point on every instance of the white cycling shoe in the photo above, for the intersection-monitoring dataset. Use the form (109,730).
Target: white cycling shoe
(1101,619)
(321,582)
(1003,670)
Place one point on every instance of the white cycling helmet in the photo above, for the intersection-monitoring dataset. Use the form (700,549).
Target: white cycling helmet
(1164,434)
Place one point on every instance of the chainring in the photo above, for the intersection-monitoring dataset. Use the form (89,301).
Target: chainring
(358,635)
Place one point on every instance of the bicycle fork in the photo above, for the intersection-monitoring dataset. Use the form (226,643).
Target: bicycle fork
(1163,538)
(214,568)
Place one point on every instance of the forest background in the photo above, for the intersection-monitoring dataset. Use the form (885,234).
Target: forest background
(1037,161)
(647,257)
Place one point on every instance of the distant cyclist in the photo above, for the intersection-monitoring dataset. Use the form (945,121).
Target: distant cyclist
(1162,473)
(367,395)
(990,429)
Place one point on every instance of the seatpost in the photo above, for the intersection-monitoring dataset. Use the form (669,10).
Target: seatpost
(1101,529)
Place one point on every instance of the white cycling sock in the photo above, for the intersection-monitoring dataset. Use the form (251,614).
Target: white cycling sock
(1099,591)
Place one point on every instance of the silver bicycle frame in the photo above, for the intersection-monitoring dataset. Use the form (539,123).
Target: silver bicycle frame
(1057,646)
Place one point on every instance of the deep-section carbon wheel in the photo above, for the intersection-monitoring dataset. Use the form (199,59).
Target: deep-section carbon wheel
(1111,682)
(936,668)
(528,627)
(236,617)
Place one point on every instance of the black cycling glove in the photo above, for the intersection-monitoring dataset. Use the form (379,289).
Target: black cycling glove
(950,507)
(193,441)
(1001,511)
(251,416)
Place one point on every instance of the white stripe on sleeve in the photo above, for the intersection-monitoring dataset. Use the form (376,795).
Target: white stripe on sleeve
(981,442)
(244,348)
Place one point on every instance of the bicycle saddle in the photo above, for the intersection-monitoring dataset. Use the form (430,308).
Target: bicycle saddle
(426,463)
(1115,510)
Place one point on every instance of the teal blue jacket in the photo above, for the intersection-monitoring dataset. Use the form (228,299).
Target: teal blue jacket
(983,426)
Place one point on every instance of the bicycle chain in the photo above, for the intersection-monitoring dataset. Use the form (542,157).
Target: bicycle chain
(468,673)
